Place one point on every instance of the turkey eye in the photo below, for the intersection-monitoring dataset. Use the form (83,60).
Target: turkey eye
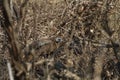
(58,40)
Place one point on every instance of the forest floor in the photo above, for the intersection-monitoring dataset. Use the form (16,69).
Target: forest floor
(73,40)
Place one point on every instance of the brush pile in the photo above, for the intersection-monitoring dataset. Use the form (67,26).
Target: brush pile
(61,40)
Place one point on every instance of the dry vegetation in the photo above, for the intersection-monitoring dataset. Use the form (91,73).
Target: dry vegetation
(61,40)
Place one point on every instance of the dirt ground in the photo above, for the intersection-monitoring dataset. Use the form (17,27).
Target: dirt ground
(66,40)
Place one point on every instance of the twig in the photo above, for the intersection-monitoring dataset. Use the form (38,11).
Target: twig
(10,70)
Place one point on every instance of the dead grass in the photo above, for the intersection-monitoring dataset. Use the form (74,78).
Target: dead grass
(67,40)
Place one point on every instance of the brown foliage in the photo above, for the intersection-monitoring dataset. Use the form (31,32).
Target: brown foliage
(60,39)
